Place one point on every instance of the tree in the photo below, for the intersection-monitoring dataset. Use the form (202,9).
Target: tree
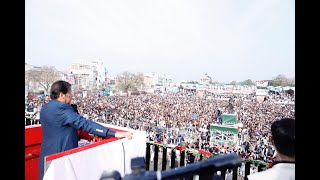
(281,80)
(291,82)
(247,82)
(27,81)
(193,82)
(214,82)
(233,83)
(139,80)
(44,76)
(130,82)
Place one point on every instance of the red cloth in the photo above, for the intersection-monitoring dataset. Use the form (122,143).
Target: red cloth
(204,152)
(84,135)
(180,148)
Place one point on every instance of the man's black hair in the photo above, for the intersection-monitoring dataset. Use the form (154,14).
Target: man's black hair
(283,135)
(59,87)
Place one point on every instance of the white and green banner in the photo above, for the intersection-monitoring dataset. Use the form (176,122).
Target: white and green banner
(229,119)
(223,134)
(223,129)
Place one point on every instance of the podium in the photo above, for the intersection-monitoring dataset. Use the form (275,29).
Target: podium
(91,160)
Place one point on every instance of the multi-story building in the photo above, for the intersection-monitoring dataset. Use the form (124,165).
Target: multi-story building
(91,75)
(82,72)
(206,79)
(163,80)
(101,73)
(149,80)
(159,82)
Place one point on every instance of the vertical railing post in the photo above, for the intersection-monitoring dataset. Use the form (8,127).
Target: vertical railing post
(189,157)
(164,158)
(156,158)
(223,173)
(235,173)
(246,169)
(148,157)
(201,157)
(173,158)
(192,157)
(182,158)
(206,174)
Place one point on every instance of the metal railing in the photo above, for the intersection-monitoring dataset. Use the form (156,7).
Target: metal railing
(31,121)
(184,158)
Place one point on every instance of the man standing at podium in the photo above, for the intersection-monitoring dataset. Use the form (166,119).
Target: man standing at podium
(60,124)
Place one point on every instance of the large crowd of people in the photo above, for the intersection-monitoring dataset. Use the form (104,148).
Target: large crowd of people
(172,118)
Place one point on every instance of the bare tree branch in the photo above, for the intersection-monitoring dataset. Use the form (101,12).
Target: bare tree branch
(44,76)
(130,82)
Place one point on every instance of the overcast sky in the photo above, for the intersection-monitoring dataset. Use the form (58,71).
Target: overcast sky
(227,39)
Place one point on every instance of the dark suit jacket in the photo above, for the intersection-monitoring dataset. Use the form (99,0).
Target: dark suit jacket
(60,123)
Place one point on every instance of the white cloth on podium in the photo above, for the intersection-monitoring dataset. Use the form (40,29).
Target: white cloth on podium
(89,164)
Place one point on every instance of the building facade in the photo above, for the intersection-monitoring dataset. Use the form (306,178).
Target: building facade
(89,76)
